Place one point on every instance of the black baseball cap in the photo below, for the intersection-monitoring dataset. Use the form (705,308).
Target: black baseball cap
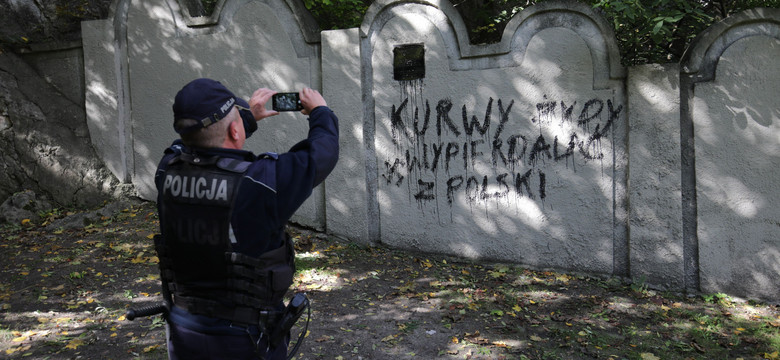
(208,101)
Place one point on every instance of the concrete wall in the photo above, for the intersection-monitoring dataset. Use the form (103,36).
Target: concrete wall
(731,148)
(517,155)
(540,150)
(655,194)
(44,138)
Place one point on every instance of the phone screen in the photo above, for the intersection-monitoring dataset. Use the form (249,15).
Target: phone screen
(288,101)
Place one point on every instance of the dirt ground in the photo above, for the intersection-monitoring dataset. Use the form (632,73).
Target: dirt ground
(64,291)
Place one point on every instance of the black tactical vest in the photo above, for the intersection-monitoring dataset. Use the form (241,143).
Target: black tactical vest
(197,263)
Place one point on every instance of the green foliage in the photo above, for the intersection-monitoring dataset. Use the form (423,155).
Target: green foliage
(487,20)
(639,286)
(654,31)
(719,298)
(338,14)
(208,6)
(647,31)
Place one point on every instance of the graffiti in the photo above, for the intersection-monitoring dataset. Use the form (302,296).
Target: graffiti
(437,146)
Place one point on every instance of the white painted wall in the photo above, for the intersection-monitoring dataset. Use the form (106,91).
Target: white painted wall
(622,200)
(737,143)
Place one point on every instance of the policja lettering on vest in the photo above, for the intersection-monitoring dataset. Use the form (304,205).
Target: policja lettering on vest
(195,187)
(224,298)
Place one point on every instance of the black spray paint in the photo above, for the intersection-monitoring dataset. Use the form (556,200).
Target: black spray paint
(516,159)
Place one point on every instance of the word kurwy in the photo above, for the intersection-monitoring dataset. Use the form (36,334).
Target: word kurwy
(430,140)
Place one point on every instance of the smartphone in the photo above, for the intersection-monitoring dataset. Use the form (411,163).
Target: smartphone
(287,101)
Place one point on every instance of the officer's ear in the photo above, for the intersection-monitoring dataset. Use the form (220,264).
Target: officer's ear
(234,131)
(234,139)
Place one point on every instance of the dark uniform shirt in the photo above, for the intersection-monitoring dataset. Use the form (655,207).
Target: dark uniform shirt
(270,191)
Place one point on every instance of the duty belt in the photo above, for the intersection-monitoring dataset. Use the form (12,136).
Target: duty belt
(240,314)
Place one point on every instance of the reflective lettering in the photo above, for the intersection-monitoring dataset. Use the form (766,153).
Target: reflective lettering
(195,187)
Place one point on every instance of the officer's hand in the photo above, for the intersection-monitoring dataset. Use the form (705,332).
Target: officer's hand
(257,103)
(310,99)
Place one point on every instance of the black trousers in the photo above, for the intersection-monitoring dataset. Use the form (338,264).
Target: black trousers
(187,344)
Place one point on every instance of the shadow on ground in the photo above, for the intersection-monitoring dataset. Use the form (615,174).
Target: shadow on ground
(65,289)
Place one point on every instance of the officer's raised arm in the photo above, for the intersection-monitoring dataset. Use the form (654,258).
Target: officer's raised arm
(310,100)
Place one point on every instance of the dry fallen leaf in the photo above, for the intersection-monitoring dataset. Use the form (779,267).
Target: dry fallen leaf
(151,348)
(74,343)
(324,338)
(389,337)
(19,348)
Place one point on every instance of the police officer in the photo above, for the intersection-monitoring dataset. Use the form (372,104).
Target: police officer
(226,261)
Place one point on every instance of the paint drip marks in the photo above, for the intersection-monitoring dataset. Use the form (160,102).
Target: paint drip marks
(487,157)
(412,138)
(411,100)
